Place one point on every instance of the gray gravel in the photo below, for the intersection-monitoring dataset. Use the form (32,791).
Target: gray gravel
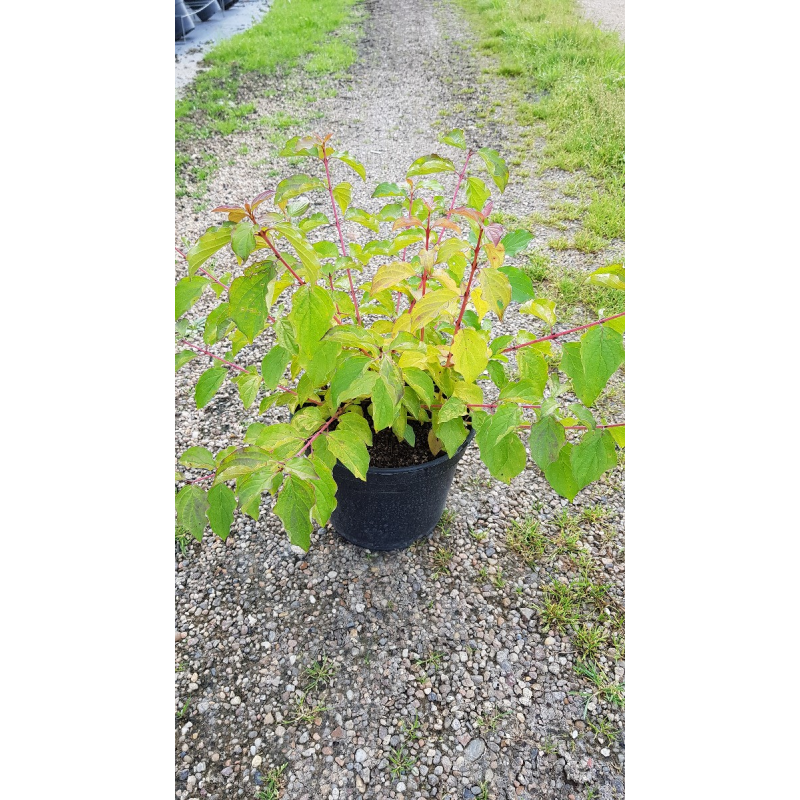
(607,14)
(502,706)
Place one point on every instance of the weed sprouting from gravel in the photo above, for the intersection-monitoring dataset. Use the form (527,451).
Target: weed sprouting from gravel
(305,712)
(526,538)
(319,673)
(589,640)
(400,762)
(273,782)
(603,729)
(441,558)
(490,722)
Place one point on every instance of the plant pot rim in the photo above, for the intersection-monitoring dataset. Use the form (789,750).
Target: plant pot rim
(438,460)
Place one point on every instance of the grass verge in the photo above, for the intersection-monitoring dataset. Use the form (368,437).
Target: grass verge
(570,76)
(219,101)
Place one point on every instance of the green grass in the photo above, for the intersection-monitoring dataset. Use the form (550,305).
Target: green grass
(272,783)
(570,78)
(218,102)
(568,288)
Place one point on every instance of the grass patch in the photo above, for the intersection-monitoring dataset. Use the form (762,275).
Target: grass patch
(217,102)
(570,78)
(569,288)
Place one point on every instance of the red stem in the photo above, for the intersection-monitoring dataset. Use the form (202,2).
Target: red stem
(341,238)
(311,440)
(466,293)
(562,333)
(410,203)
(460,179)
(266,238)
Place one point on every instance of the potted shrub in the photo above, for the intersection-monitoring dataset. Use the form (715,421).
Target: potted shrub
(385,377)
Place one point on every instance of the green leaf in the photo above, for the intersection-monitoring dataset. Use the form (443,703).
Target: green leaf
(390,275)
(242,461)
(191,505)
(533,367)
(184,357)
(343,194)
(305,252)
(351,421)
(222,503)
(477,193)
(294,187)
(545,441)
(248,384)
(592,361)
(452,434)
(583,414)
(302,468)
(522,391)
(521,285)
(420,382)
(500,447)
(309,420)
(324,491)
(360,387)
(516,241)
(274,365)
(455,138)
(248,304)
(251,487)
(293,508)
(313,221)
(594,455)
(214,239)
(497,373)
(388,190)
(542,308)
(311,316)
(187,293)
(243,240)
(436,304)
(452,408)
(618,434)
(430,164)
(350,370)
(351,162)
(389,213)
(208,385)
(560,476)
(218,323)
(350,449)
(496,166)
(199,458)
(383,406)
(364,218)
(326,249)
(355,336)
(495,290)
(612,275)
(470,354)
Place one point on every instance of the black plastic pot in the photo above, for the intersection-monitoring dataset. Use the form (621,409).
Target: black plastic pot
(394,507)
(183,20)
(205,9)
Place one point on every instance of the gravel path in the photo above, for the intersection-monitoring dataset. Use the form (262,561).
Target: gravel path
(451,668)
(607,14)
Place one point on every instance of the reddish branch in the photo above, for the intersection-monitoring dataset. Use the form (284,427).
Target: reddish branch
(562,333)
(466,294)
(460,179)
(341,238)
(263,235)
(310,441)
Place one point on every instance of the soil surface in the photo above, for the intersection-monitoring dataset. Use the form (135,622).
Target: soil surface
(446,678)
(387,451)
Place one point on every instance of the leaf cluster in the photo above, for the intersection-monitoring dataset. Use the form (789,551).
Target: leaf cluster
(354,355)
